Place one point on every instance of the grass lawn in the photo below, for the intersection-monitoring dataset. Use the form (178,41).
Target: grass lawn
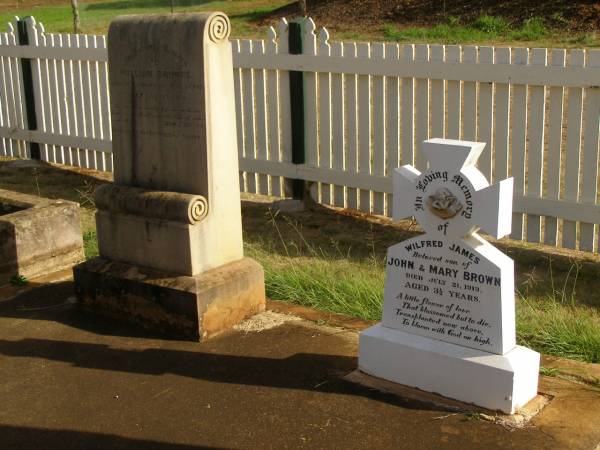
(96,16)
(250,18)
(334,260)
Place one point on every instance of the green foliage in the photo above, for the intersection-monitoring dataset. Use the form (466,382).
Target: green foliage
(491,25)
(19,280)
(246,18)
(96,16)
(532,30)
(584,40)
(549,317)
(90,244)
(562,330)
(485,28)
(559,19)
(549,371)
(343,288)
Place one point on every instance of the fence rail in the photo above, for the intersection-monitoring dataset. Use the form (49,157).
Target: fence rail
(366,108)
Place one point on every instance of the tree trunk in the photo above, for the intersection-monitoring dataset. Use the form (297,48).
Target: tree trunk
(302,5)
(76,24)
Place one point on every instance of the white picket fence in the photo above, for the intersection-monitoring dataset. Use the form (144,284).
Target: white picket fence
(367,106)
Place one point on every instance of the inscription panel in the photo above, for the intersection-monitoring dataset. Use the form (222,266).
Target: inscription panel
(447,290)
(158,103)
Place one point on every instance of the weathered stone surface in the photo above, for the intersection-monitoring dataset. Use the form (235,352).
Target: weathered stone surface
(171,206)
(170,230)
(181,306)
(38,235)
(174,130)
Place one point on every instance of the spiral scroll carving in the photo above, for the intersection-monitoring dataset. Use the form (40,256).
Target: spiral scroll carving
(198,210)
(219,28)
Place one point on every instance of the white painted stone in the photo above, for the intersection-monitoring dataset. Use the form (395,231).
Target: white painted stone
(449,289)
(497,382)
(426,292)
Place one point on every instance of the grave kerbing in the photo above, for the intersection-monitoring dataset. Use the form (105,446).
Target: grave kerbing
(448,321)
(169,228)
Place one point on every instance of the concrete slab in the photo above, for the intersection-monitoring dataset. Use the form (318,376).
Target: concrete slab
(74,380)
(37,235)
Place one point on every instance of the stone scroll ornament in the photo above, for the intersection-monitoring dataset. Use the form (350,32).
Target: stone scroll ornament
(171,252)
(449,304)
(174,206)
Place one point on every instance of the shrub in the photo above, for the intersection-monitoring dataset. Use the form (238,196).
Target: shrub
(490,25)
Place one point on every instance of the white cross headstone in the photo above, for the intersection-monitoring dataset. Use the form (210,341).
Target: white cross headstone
(448,321)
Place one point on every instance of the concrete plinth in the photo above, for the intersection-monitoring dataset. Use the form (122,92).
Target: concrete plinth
(191,307)
(497,382)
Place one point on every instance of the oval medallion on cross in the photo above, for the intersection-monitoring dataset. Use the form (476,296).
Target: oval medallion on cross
(452,198)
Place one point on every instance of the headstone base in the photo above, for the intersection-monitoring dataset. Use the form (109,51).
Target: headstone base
(497,382)
(190,307)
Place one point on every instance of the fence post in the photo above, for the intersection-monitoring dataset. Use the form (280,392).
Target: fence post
(297,106)
(29,97)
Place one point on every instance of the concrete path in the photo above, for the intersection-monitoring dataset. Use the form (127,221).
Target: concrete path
(70,380)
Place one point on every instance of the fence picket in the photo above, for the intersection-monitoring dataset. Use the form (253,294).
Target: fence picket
(239,110)
(438,100)
(589,172)
(338,114)
(67,101)
(97,114)
(469,113)
(260,91)
(273,123)
(351,95)
(83,159)
(8,103)
(18,95)
(407,112)
(421,108)
(392,125)
(324,116)
(571,180)
(535,149)
(89,105)
(501,120)
(249,118)
(59,96)
(104,105)
(554,155)
(486,116)
(519,126)
(453,105)
(363,50)
(3,101)
(310,98)
(45,93)
(379,126)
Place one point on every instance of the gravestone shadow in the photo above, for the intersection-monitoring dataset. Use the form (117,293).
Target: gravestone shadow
(8,252)
(214,361)
(25,438)
(302,371)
